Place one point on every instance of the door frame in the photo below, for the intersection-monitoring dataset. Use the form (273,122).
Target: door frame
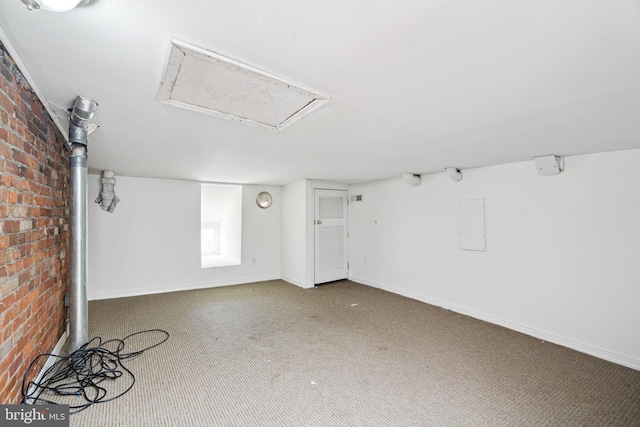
(311,186)
(341,273)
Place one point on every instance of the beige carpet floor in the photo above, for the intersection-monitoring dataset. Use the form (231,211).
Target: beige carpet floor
(344,354)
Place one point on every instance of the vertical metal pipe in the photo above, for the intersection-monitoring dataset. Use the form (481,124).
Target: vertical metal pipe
(80,117)
(78,312)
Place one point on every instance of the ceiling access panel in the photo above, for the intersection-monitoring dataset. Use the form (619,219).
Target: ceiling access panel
(203,81)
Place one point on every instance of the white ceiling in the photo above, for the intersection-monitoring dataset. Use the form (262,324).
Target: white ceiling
(415,86)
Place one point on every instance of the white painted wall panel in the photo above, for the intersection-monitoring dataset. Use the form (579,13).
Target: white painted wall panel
(151,242)
(562,262)
(471,233)
(295,246)
(298,230)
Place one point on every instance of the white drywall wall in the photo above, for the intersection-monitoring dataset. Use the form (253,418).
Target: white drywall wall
(298,229)
(294,240)
(563,252)
(151,242)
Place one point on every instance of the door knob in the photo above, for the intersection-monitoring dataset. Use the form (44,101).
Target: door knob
(319,222)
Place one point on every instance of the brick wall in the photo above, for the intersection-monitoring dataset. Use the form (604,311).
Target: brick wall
(34,234)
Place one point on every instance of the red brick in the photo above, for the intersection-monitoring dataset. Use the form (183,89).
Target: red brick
(28,300)
(4,379)
(5,149)
(19,212)
(15,140)
(27,262)
(11,226)
(21,293)
(34,170)
(4,365)
(9,196)
(6,104)
(25,159)
(7,180)
(7,299)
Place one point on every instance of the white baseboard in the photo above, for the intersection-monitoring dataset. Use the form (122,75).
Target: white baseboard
(50,361)
(601,353)
(296,282)
(177,288)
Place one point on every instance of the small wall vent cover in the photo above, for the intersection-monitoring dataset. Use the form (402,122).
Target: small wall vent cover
(203,81)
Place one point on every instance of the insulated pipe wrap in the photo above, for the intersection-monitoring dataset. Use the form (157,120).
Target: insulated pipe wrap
(80,118)
(107,198)
(78,135)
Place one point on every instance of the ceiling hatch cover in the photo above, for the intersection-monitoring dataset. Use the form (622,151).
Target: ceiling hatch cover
(203,81)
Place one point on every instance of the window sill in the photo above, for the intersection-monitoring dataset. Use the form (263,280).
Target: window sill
(217,261)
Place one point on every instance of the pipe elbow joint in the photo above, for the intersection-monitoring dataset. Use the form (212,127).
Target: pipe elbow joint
(107,198)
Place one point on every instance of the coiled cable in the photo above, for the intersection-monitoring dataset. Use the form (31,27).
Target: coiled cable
(86,373)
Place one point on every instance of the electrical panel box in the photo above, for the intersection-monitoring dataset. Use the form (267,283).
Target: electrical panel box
(471,229)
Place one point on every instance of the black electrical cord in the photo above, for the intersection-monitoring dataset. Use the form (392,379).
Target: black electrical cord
(83,372)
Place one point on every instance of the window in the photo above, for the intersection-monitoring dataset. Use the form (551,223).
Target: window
(220,225)
(210,238)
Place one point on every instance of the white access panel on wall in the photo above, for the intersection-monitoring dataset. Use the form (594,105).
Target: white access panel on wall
(471,231)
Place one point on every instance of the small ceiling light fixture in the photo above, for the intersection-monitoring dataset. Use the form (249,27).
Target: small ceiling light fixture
(454,174)
(54,5)
(412,179)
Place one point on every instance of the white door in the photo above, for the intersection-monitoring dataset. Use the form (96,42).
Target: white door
(330,235)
